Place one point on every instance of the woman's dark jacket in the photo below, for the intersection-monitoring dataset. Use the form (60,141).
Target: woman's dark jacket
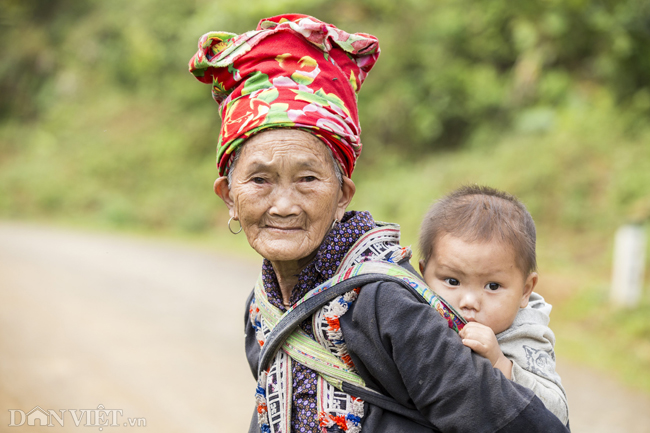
(403,348)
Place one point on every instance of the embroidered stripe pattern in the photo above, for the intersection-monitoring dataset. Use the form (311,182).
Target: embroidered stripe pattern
(278,388)
(336,408)
(327,327)
(380,243)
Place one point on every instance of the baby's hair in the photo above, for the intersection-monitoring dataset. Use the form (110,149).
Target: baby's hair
(476,213)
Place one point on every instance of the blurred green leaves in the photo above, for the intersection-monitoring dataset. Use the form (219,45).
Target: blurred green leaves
(99,116)
(449,67)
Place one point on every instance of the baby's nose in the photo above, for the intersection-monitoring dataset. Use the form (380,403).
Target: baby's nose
(470,302)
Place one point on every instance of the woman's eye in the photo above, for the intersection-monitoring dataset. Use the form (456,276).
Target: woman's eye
(492,286)
(309,178)
(258,180)
(452,281)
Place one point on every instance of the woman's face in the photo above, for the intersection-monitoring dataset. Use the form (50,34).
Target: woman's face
(285,194)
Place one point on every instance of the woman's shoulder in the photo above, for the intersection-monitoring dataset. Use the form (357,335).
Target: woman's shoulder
(390,304)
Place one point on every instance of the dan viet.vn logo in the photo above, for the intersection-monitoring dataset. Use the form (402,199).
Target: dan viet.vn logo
(100,417)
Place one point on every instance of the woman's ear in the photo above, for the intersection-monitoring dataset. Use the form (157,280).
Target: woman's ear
(348,188)
(222,189)
(529,286)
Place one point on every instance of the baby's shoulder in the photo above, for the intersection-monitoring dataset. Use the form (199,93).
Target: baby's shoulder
(537,312)
(530,324)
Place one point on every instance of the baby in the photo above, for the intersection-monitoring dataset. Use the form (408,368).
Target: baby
(478,253)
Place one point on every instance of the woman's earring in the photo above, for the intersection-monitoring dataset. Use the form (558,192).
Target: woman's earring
(230,228)
(334,223)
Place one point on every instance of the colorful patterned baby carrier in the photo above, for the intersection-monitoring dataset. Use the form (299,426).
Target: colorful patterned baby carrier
(341,391)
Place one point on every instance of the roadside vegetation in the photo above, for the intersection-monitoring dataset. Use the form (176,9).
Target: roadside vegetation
(101,126)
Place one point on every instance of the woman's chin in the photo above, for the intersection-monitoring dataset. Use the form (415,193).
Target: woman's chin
(283,250)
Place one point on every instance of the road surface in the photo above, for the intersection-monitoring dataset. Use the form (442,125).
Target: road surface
(139,331)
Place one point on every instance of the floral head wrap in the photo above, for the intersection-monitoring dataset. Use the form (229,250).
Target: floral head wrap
(294,71)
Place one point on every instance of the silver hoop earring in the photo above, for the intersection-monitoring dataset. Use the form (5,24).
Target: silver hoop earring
(230,228)
(334,223)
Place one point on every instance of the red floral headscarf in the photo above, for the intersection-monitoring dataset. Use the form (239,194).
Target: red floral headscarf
(294,71)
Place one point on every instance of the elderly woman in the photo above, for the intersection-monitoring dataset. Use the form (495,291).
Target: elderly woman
(375,357)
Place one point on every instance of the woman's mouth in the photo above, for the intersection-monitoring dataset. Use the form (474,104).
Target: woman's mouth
(283,229)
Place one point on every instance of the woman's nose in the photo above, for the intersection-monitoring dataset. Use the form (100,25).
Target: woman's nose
(283,202)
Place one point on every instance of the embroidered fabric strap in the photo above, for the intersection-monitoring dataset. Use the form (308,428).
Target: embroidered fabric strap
(302,348)
(287,334)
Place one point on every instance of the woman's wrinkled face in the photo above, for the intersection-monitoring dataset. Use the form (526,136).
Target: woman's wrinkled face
(285,194)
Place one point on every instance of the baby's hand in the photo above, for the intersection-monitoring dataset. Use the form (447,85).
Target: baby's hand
(481,339)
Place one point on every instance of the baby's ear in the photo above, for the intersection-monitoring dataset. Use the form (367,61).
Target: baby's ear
(529,286)
(421,262)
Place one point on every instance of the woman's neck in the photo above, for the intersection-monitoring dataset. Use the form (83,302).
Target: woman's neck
(287,273)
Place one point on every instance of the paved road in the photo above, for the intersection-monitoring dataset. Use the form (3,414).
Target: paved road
(154,330)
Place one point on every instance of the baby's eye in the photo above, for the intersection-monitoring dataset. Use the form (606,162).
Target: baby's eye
(452,281)
(492,286)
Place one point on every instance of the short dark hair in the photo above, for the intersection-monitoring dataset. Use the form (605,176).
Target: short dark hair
(479,214)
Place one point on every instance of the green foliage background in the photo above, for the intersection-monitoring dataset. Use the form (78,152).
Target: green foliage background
(102,125)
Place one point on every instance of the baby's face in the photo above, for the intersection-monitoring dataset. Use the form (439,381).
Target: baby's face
(480,280)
